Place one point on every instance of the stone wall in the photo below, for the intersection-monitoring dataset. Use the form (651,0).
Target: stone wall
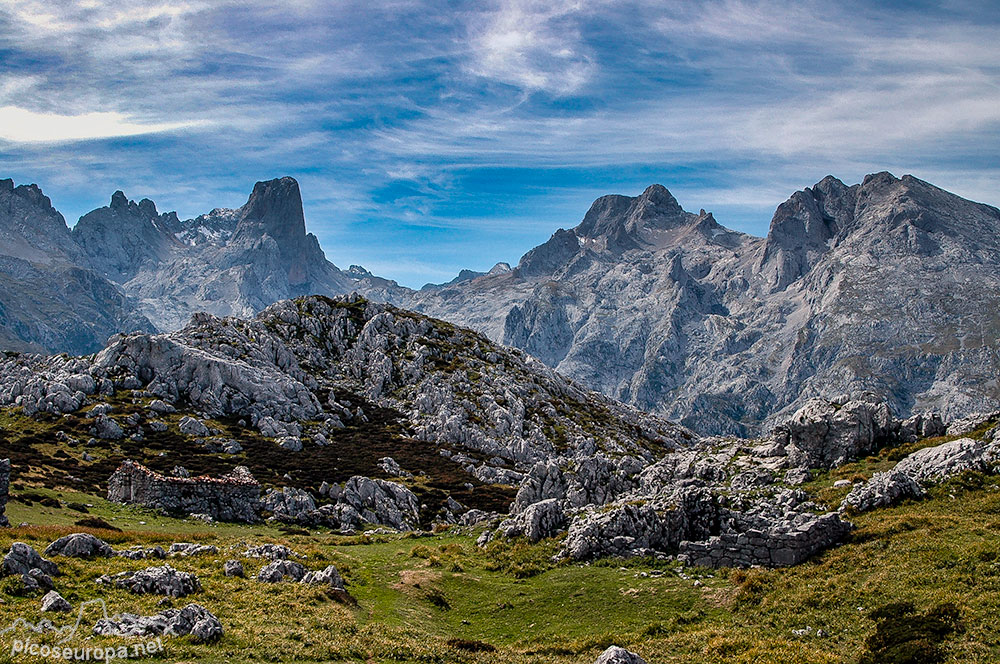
(777,547)
(232,497)
(4,489)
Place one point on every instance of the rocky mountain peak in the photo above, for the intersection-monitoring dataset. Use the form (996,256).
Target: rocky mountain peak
(119,201)
(656,198)
(620,217)
(274,209)
(277,205)
(123,236)
(30,228)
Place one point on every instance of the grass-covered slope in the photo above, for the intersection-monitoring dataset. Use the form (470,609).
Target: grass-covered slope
(441,599)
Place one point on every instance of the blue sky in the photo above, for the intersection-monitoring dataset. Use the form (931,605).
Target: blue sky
(432,136)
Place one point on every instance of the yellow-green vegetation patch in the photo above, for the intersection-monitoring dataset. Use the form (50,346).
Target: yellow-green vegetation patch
(933,565)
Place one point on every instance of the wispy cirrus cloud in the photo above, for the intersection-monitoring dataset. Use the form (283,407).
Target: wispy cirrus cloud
(460,135)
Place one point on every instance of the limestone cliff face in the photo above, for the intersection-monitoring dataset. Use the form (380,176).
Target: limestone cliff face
(888,285)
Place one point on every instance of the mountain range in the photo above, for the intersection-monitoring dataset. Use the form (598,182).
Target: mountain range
(890,285)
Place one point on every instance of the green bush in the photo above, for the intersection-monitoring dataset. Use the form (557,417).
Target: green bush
(905,636)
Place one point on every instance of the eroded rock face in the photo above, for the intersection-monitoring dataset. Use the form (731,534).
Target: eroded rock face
(382,502)
(944,461)
(538,521)
(362,500)
(825,434)
(80,545)
(288,502)
(193,619)
(631,529)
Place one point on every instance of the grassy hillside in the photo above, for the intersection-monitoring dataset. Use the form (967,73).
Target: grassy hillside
(441,599)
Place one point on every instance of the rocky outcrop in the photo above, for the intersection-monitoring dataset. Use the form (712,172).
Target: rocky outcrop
(163,580)
(925,467)
(826,434)
(362,500)
(636,528)
(288,503)
(194,620)
(270,551)
(882,490)
(493,411)
(382,502)
(943,461)
(233,497)
(719,502)
(4,490)
(538,521)
(80,545)
(970,423)
(188,549)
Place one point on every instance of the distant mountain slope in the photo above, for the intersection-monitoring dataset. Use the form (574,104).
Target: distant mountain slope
(50,298)
(128,267)
(890,285)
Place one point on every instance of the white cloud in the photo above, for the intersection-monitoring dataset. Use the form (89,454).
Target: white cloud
(532,45)
(20,125)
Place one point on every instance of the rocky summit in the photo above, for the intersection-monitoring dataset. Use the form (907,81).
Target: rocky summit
(888,285)
(127,267)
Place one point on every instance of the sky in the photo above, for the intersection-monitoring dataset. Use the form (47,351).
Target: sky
(433,136)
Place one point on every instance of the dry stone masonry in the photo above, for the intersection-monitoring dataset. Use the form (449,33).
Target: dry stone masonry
(232,497)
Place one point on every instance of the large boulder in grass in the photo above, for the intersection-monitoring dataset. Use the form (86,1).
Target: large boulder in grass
(281,570)
(326,577)
(22,559)
(193,619)
(946,460)
(616,655)
(163,580)
(80,545)
(53,602)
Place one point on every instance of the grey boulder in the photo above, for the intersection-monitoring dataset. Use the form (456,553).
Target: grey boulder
(53,602)
(616,655)
(80,545)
